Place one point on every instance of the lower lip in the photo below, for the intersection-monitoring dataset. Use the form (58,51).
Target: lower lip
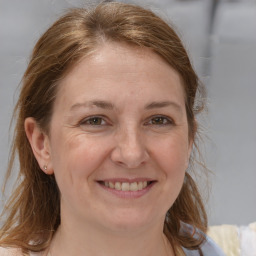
(128,194)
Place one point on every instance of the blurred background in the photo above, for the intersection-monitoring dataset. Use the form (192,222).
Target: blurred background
(220,37)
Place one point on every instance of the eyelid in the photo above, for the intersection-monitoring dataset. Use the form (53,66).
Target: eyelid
(88,118)
(169,119)
(84,121)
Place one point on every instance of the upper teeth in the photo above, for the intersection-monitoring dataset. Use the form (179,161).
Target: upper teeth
(126,186)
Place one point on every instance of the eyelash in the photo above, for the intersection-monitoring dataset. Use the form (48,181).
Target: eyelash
(165,121)
(92,119)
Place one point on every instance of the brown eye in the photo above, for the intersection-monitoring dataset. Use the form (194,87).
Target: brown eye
(94,121)
(160,120)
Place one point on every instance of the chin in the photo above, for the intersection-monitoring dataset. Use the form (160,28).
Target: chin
(130,220)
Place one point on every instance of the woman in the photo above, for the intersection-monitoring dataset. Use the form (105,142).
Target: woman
(106,125)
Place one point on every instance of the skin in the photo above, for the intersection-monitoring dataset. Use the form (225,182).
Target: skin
(119,114)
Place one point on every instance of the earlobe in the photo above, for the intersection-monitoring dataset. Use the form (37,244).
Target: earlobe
(40,144)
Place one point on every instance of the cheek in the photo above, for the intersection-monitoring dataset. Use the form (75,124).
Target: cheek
(76,157)
(173,158)
(174,152)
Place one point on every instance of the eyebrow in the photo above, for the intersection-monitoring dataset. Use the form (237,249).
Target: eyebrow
(97,103)
(109,106)
(163,104)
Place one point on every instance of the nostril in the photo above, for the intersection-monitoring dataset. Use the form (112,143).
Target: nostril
(120,163)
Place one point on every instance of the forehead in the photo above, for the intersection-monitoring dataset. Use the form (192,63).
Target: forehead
(118,68)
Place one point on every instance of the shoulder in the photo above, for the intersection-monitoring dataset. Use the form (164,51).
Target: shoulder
(10,252)
(208,247)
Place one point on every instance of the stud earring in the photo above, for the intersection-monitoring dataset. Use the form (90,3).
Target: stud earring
(45,167)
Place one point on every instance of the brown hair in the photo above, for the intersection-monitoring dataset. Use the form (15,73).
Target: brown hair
(33,211)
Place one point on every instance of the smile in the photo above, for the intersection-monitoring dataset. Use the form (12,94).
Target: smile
(126,186)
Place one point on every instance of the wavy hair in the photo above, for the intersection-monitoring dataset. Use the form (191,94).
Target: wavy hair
(33,211)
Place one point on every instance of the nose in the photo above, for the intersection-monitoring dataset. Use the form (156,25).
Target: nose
(130,150)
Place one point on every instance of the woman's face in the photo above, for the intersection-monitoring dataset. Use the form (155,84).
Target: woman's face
(118,143)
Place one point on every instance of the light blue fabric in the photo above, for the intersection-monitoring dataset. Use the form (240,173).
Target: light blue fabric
(209,248)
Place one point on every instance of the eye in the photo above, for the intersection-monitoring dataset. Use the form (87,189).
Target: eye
(94,121)
(160,120)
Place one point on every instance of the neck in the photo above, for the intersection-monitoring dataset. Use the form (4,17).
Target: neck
(90,240)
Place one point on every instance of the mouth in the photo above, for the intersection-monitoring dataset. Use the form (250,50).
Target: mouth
(127,186)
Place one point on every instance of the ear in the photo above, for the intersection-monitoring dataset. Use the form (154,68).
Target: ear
(40,144)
